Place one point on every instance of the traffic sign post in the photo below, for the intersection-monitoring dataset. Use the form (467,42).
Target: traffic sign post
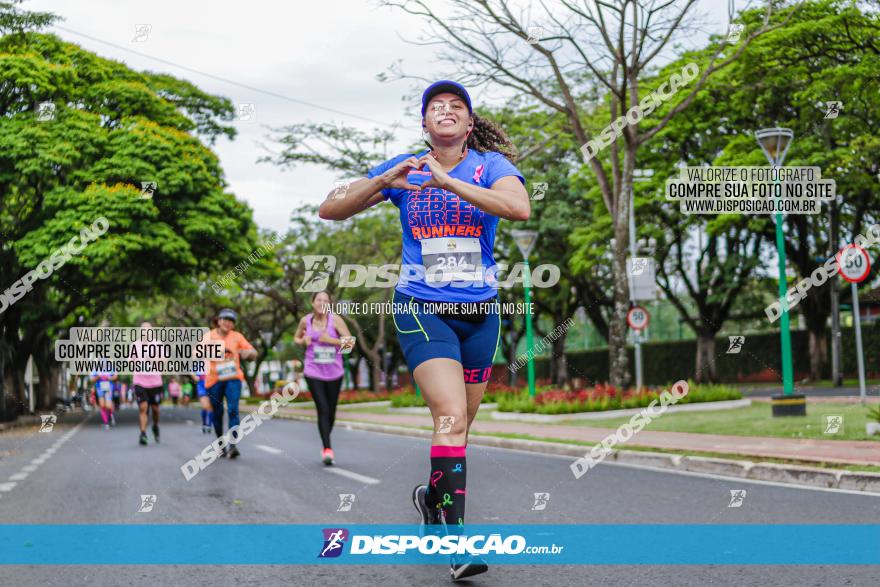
(855,265)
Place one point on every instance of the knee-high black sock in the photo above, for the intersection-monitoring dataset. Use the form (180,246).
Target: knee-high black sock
(446,485)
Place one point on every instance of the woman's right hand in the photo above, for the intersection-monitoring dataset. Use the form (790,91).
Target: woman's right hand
(396,177)
(307,340)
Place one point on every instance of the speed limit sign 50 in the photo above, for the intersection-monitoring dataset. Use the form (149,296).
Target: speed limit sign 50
(637,318)
(854,263)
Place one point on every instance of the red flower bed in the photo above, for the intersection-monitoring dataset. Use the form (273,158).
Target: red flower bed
(599,392)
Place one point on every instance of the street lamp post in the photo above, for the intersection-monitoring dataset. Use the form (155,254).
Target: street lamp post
(774,142)
(525,242)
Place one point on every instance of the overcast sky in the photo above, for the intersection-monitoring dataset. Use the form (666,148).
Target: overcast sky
(325,52)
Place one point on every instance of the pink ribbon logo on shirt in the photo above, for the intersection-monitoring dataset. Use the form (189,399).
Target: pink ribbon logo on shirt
(478,173)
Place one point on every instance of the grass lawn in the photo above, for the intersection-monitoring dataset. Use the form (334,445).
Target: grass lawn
(756,420)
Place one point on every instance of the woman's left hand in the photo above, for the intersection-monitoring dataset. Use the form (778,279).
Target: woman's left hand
(439,177)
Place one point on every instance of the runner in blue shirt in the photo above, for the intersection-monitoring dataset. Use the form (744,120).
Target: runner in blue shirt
(104,382)
(451,197)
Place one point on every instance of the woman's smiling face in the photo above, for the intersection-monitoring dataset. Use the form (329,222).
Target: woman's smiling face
(447,117)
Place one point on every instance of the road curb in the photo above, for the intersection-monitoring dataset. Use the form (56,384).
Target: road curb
(648,459)
(729,467)
(868,482)
(19,422)
(795,475)
(427,410)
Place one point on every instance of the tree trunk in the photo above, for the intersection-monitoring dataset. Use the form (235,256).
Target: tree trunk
(815,310)
(7,411)
(375,373)
(47,390)
(705,369)
(560,361)
(13,383)
(818,353)
(618,359)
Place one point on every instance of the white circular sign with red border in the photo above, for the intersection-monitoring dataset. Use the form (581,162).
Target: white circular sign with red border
(638,318)
(854,263)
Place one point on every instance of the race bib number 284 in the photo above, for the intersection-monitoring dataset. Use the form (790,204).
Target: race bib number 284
(452,259)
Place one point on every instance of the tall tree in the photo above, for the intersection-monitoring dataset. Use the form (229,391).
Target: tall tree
(829,53)
(78,137)
(585,49)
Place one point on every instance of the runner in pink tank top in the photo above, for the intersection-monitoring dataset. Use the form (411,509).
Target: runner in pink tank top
(320,333)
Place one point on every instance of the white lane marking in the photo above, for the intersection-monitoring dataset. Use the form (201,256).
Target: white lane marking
(352,475)
(270,449)
(28,469)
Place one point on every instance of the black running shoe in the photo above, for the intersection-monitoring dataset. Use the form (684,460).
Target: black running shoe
(143,438)
(156,433)
(467,566)
(233,452)
(425,512)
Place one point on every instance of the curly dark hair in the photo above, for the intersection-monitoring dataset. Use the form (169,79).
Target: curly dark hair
(488,136)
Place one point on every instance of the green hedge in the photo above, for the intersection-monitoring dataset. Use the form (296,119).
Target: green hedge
(665,362)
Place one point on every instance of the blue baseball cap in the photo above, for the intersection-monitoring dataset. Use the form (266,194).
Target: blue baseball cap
(227,314)
(445,86)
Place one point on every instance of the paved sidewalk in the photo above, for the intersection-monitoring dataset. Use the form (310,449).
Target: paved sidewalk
(852,452)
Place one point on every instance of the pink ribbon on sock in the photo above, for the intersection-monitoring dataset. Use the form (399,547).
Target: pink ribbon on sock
(436,476)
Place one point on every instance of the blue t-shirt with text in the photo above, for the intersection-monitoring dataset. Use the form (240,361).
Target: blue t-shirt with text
(433,213)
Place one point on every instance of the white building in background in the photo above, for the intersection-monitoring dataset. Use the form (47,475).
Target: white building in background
(269,373)
(275,370)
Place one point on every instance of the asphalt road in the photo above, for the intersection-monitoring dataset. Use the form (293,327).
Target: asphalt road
(96,476)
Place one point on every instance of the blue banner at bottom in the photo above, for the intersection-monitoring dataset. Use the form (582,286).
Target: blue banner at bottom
(744,544)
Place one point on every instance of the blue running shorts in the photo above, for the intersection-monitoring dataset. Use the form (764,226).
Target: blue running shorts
(424,335)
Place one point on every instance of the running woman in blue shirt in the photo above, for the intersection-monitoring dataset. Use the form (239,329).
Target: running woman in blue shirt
(451,197)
